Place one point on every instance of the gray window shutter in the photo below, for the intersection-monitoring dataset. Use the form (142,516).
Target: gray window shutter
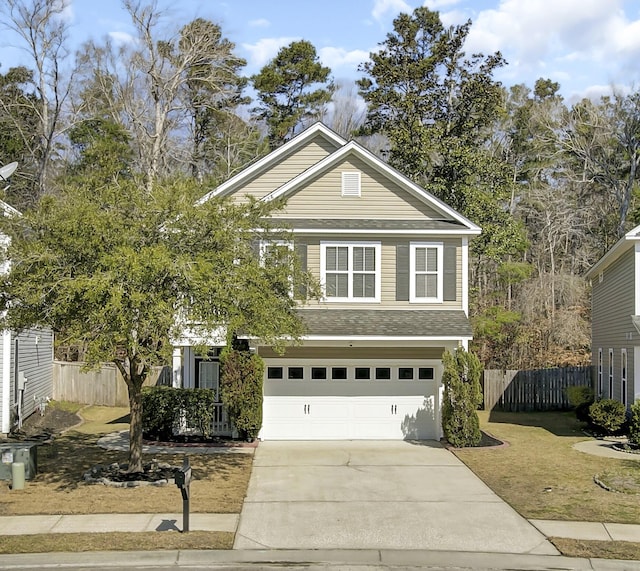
(402,272)
(301,253)
(450,281)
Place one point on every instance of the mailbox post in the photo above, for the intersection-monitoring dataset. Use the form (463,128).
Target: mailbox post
(183,480)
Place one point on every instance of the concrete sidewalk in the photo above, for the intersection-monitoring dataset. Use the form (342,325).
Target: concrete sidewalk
(101,523)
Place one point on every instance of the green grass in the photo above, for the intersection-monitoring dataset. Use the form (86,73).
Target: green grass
(144,541)
(542,476)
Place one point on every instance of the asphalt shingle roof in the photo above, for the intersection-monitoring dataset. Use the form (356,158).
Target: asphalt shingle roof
(392,323)
(366,224)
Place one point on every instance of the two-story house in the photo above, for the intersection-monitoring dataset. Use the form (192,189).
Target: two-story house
(392,261)
(615,320)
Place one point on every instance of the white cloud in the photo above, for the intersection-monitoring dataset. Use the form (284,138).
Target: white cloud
(382,8)
(121,38)
(337,58)
(266,49)
(259,23)
(537,29)
(437,4)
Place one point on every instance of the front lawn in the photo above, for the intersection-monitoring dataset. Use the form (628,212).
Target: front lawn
(542,476)
(219,486)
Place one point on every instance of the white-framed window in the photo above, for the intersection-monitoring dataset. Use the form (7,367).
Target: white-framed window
(350,271)
(426,272)
(610,393)
(278,253)
(623,376)
(600,365)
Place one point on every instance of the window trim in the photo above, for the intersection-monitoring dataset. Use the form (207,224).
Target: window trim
(350,272)
(413,273)
(600,372)
(610,395)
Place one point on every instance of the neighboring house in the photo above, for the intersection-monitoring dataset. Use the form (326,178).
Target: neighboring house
(615,320)
(26,365)
(392,260)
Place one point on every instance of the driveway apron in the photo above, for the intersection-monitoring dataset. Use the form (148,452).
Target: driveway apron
(375,495)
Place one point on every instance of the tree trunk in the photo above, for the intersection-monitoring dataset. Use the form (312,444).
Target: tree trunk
(134,376)
(135,424)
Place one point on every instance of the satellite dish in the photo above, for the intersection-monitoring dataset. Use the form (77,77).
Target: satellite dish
(7,170)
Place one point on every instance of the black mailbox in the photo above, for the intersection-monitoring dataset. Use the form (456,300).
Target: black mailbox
(182,478)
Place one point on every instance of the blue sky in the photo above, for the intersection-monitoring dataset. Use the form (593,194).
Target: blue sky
(585,45)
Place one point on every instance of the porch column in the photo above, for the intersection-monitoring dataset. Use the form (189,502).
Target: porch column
(188,368)
(176,378)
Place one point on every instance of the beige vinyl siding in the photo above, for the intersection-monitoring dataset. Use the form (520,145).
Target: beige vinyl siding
(377,353)
(289,167)
(613,304)
(380,198)
(388,278)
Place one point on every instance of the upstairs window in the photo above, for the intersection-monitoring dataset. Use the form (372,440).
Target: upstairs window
(426,272)
(351,271)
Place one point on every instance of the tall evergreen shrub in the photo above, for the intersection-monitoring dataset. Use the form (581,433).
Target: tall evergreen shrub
(241,390)
(462,397)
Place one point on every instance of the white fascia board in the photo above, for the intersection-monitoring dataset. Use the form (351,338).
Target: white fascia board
(229,185)
(189,338)
(461,232)
(381,167)
(619,248)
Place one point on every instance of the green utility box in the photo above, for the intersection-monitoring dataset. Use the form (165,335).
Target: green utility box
(25,452)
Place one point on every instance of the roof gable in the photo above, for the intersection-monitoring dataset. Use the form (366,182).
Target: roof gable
(267,162)
(625,243)
(354,151)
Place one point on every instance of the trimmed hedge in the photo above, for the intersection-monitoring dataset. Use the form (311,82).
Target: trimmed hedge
(165,408)
(608,414)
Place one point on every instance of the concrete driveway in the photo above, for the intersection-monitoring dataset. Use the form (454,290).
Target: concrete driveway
(375,495)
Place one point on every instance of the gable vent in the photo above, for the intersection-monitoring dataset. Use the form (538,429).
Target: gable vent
(350,184)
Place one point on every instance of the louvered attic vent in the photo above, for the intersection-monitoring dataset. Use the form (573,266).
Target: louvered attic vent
(350,184)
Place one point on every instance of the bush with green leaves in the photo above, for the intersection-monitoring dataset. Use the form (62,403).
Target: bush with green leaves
(158,412)
(241,390)
(608,414)
(634,424)
(580,398)
(165,409)
(462,397)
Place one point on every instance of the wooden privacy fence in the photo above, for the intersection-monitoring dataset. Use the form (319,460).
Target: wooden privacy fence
(538,389)
(104,386)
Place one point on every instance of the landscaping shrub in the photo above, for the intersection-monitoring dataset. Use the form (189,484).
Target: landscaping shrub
(608,415)
(462,396)
(634,424)
(163,409)
(158,412)
(581,398)
(241,390)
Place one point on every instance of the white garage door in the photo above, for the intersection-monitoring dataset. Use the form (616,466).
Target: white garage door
(383,399)
(349,418)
